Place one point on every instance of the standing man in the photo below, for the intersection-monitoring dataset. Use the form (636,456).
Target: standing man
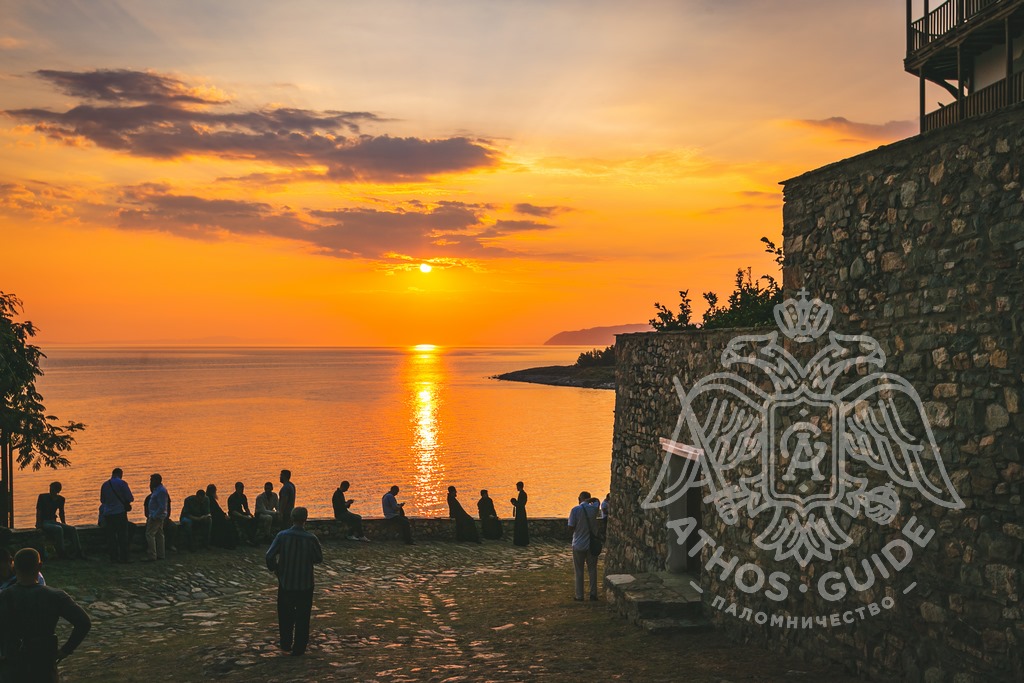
(116,501)
(49,507)
(582,519)
(394,514)
(287,503)
(238,511)
(291,557)
(28,631)
(158,509)
(266,510)
(342,512)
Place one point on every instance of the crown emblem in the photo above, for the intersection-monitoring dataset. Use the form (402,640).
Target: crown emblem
(803,320)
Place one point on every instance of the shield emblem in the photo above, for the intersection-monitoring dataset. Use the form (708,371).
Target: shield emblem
(781,457)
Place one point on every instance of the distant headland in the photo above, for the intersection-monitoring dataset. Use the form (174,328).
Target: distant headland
(595,336)
(601,377)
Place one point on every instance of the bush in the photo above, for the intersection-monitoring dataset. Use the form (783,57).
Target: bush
(596,358)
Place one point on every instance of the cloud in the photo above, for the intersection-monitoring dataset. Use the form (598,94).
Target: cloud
(882,132)
(11,43)
(37,200)
(123,85)
(505,227)
(152,207)
(157,116)
(539,211)
(443,232)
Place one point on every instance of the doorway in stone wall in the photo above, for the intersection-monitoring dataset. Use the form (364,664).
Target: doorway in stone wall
(689,505)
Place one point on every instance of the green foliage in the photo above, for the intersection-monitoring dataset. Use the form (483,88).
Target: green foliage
(28,435)
(750,304)
(667,321)
(597,358)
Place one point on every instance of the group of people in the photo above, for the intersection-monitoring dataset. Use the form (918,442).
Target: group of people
(490,524)
(30,609)
(202,522)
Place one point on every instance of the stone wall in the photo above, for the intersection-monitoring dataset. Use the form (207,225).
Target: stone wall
(94,539)
(920,245)
(646,409)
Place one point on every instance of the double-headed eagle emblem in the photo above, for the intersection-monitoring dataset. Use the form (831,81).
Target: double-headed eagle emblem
(805,458)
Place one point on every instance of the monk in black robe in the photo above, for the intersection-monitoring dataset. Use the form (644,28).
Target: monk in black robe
(489,522)
(223,533)
(465,527)
(521,529)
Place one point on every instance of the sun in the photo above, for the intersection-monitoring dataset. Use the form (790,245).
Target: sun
(425,268)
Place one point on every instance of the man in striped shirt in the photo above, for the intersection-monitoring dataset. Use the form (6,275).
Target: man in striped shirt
(291,557)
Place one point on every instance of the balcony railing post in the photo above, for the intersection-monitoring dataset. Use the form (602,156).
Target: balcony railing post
(910,27)
(1009,62)
(961,104)
(959,12)
(920,75)
(927,20)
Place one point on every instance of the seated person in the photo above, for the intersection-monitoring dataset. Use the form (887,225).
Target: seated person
(223,533)
(48,507)
(267,515)
(238,511)
(394,514)
(342,512)
(196,520)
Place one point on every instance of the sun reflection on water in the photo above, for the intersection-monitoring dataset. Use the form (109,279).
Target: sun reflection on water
(425,382)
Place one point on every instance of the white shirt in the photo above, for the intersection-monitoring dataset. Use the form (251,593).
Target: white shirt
(580,532)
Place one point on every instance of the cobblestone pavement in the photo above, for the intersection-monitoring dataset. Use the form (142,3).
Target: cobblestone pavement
(228,597)
(434,612)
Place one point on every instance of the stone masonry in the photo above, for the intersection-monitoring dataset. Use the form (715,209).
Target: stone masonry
(920,245)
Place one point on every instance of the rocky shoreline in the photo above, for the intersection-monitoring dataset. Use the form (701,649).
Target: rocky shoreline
(564,376)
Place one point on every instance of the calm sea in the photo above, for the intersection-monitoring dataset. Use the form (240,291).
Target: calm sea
(420,418)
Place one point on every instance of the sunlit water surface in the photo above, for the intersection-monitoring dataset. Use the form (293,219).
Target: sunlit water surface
(423,418)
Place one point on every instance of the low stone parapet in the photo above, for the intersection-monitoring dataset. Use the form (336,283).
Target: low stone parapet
(94,539)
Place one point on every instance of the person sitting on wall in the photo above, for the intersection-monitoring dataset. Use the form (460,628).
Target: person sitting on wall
(267,515)
(49,507)
(222,532)
(344,514)
(490,525)
(394,514)
(196,520)
(465,527)
(238,511)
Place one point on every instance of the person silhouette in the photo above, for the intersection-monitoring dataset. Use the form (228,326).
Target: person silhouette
(489,522)
(465,527)
(521,529)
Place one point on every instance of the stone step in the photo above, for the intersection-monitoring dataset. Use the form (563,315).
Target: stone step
(668,625)
(658,602)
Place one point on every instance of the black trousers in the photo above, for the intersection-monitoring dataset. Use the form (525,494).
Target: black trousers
(117,536)
(293,609)
(354,521)
(402,522)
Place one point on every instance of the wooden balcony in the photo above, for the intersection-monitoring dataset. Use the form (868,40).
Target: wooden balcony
(944,46)
(956,29)
(995,96)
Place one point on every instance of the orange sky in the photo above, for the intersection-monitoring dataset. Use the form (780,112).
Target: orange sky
(275,173)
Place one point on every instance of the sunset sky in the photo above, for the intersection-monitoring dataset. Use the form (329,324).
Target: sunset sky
(276,172)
